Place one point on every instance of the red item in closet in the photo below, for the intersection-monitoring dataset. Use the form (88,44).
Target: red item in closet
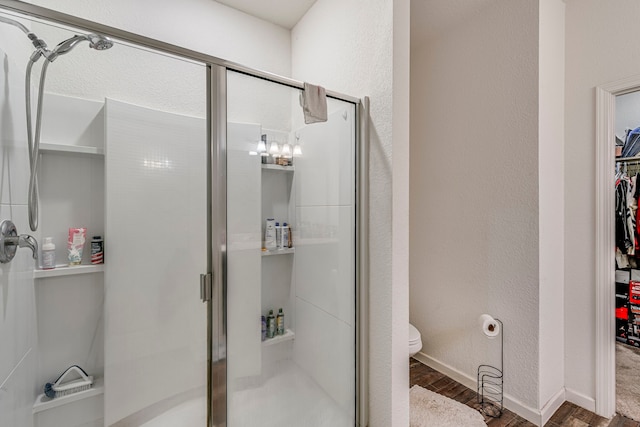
(634,292)
(622,313)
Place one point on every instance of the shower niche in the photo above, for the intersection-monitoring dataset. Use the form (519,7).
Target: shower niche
(313,281)
(71,192)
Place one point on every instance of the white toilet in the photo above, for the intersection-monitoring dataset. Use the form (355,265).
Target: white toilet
(415,341)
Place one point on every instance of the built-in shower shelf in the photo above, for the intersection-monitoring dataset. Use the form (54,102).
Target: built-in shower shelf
(74,149)
(65,270)
(43,402)
(279,168)
(279,252)
(288,336)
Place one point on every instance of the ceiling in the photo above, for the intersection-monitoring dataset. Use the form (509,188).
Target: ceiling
(285,13)
(428,17)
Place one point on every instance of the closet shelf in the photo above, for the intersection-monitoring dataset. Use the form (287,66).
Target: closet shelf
(628,159)
(73,149)
(278,168)
(288,336)
(278,252)
(65,270)
(43,403)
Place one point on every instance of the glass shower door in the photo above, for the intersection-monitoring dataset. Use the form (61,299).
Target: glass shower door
(123,153)
(156,222)
(291,320)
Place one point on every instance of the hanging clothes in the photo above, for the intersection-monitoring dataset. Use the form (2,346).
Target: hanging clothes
(632,206)
(624,235)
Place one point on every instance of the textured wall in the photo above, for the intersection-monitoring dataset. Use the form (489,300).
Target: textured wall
(202,25)
(474,192)
(359,56)
(601,47)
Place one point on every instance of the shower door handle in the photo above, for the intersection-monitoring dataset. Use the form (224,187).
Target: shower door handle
(206,287)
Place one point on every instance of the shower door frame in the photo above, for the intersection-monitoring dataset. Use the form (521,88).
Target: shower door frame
(217,206)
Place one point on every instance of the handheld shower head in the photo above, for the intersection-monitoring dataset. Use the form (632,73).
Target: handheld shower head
(96,41)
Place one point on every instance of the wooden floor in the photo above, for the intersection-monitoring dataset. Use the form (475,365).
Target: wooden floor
(569,415)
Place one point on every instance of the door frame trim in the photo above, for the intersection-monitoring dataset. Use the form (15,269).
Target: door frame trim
(605,398)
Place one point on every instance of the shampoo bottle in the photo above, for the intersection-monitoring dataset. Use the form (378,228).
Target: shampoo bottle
(271,325)
(280,322)
(270,234)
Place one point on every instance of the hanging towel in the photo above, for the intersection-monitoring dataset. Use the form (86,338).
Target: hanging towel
(313,101)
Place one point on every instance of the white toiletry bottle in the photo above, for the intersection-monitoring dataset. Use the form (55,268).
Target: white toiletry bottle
(270,234)
(278,236)
(48,254)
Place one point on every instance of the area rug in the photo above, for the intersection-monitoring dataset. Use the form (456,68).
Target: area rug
(429,409)
(628,381)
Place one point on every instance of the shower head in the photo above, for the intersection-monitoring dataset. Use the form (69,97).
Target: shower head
(96,41)
(99,42)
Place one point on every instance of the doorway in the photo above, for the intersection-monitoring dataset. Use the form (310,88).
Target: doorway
(606,96)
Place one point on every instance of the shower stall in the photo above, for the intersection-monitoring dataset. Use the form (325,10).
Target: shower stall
(181,162)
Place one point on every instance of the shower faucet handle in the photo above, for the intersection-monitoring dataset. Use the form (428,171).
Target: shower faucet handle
(10,241)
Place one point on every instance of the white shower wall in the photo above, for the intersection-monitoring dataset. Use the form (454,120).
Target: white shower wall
(325,256)
(18,352)
(155,322)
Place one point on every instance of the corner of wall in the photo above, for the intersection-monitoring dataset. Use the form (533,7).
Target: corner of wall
(551,128)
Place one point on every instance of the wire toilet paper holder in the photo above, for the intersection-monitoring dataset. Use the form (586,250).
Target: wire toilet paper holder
(490,383)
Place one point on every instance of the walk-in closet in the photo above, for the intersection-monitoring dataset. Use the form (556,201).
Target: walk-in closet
(627,257)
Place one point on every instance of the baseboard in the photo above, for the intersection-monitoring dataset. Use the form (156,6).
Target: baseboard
(581,400)
(510,403)
(552,405)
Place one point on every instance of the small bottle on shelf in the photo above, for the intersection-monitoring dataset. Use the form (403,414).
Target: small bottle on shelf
(48,254)
(278,236)
(270,234)
(284,237)
(264,328)
(271,325)
(97,250)
(280,322)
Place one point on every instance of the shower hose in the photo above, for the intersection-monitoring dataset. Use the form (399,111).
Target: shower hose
(33,137)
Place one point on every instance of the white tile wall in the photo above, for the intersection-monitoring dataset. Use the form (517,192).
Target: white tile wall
(71,195)
(243,252)
(70,325)
(325,349)
(325,259)
(17,299)
(155,323)
(324,236)
(72,121)
(16,394)
(325,172)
